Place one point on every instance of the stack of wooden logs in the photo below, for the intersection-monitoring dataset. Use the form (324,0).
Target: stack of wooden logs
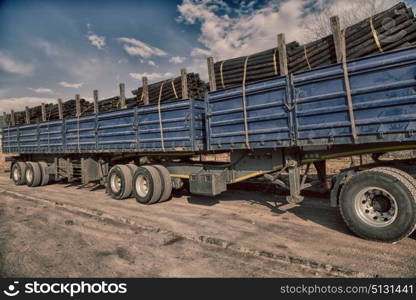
(392,29)
(182,87)
(172,89)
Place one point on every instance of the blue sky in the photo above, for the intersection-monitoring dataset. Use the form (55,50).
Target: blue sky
(55,49)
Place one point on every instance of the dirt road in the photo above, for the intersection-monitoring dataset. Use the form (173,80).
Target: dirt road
(68,231)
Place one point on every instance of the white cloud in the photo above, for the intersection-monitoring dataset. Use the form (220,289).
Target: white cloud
(177,59)
(96,41)
(151,76)
(42,90)
(71,85)
(49,48)
(122,61)
(138,48)
(19,104)
(201,53)
(10,65)
(152,63)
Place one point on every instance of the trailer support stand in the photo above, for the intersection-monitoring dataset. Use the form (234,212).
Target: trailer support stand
(295,183)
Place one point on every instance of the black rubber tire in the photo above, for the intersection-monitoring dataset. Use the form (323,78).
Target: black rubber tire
(37,174)
(166,183)
(19,167)
(398,186)
(46,178)
(154,182)
(126,180)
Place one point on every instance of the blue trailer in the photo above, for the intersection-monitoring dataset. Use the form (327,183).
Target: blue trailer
(273,129)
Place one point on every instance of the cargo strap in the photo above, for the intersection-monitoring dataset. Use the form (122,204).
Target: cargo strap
(348,87)
(306,57)
(375,36)
(246,136)
(160,116)
(222,75)
(78,135)
(275,62)
(173,87)
(8,138)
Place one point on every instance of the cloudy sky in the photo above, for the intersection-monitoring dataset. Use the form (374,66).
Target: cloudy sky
(56,49)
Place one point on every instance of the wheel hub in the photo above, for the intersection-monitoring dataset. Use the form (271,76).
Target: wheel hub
(142,186)
(16,174)
(376,207)
(115,183)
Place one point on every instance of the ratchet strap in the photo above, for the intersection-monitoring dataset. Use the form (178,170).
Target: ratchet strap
(222,75)
(306,57)
(375,36)
(173,88)
(275,62)
(246,136)
(160,117)
(348,87)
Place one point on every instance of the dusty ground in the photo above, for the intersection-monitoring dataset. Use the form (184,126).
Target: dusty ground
(63,230)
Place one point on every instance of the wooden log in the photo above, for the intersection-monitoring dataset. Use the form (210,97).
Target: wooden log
(95,96)
(145,90)
(211,74)
(184,84)
(27,115)
(77,105)
(122,96)
(12,118)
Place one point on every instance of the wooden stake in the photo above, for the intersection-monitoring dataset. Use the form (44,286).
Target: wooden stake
(95,95)
(336,32)
(43,112)
(60,109)
(78,105)
(211,74)
(122,96)
(27,115)
(184,82)
(5,119)
(12,119)
(145,90)
(281,45)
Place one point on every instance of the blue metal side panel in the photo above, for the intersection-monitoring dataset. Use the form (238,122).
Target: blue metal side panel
(383,96)
(267,116)
(132,130)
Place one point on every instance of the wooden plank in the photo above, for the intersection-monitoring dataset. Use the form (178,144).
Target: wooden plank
(145,90)
(77,105)
(27,115)
(211,74)
(184,82)
(60,109)
(95,95)
(12,119)
(43,112)
(336,33)
(281,45)
(122,96)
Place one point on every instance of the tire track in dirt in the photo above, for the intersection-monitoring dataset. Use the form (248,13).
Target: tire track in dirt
(174,237)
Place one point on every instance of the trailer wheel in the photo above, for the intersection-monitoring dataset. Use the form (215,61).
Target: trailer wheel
(18,173)
(120,180)
(46,178)
(379,205)
(33,174)
(166,182)
(147,185)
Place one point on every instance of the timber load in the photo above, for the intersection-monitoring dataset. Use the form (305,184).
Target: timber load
(392,29)
(171,89)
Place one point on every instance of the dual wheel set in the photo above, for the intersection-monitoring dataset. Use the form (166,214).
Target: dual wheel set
(30,173)
(148,184)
